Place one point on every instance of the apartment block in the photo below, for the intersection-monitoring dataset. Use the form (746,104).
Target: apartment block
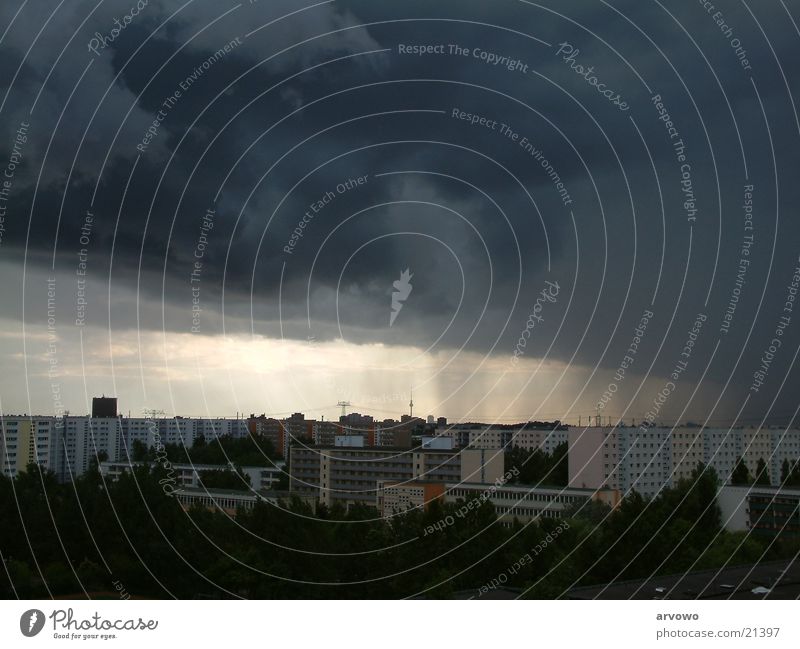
(545,436)
(761,510)
(83,439)
(324,432)
(524,503)
(231,501)
(25,440)
(649,459)
(351,475)
(396,497)
(281,432)
(190,475)
(527,503)
(67,445)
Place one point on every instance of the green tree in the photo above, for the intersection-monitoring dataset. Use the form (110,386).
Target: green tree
(740,474)
(786,471)
(139,451)
(790,473)
(225,480)
(537,467)
(762,473)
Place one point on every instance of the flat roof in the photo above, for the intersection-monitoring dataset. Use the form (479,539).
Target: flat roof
(215,492)
(386,449)
(781,579)
(184,465)
(527,487)
(762,489)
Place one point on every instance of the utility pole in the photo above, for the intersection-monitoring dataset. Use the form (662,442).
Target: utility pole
(344,405)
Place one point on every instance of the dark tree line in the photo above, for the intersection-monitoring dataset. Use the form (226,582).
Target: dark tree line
(247,451)
(741,475)
(537,467)
(57,539)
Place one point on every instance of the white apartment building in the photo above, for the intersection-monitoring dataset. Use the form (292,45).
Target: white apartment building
(536,438)
(524,503)
(189,475)
(760,510)
(775,445)
(527,503)
(506,437)
(220,427)
(25,440)
(163,431)
(649,459)
(79,440)
(67,445)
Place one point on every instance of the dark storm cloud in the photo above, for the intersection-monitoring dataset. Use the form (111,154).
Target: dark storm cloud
(594,148)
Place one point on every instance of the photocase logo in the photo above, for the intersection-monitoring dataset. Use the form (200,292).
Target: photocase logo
(31,622)
(400,294)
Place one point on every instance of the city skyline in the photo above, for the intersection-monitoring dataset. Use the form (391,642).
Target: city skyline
(289,276)
(357,300)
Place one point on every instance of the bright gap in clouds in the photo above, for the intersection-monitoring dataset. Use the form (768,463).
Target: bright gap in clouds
(214,375)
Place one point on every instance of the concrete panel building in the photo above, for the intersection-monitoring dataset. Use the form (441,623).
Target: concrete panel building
(351,475)
(525,503)
(397,497)
(190,475)
(545,436)
(26,440)
(761,510)
(81,440)
(649,459)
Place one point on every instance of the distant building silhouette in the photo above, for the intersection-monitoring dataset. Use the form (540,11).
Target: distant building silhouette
(104,407)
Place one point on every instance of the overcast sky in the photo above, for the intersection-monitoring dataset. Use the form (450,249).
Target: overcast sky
(601,152)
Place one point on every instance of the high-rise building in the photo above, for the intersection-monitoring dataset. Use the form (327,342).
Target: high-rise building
(270,429)
(180,431)
(544,436)
(297,427)
(26,440)
(396,435)
(351,475)
(68,445)
(325,432)
(282,432)
(191,475)
(358,424)
(104,407)
(649,459)
(80,440)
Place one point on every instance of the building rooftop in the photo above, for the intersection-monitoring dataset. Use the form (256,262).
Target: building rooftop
(383,449)
(504,593)
(529,487)
(528,425)
(277,465)
(763,489)
(216,492)
(768,580)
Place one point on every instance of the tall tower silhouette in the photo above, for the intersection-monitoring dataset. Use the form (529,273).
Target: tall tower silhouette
(411,404)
